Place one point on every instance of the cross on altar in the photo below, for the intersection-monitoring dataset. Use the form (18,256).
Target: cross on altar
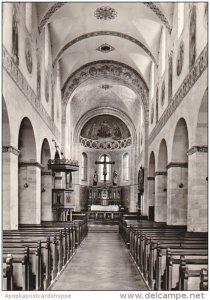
(105,163)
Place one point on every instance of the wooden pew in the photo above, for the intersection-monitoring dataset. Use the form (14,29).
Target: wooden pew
(190,278)
(8,282)
(147,249)
(174,263)
(35,264)
(204,280)
(57,246)
(160,265)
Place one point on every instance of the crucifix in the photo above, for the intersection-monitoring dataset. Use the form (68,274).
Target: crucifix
(105,163)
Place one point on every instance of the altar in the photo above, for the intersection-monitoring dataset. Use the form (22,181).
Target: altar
(104,198)
(104,208)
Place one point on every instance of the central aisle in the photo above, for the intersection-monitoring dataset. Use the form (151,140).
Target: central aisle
(101,263)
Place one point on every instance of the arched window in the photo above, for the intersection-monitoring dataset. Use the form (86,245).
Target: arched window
(125,167)
(104,168)
(163,51)
(28,16)
(180,19)
(84,166)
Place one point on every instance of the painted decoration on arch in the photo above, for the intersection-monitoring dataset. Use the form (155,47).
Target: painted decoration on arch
(15,35)
(180,59)
(105,127)
(192,39)
(28,55)
(163,93)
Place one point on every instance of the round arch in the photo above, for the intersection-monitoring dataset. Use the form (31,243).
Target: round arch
(46,183)
(114,70)
(151,187)
(178,176)
(162,156)
(152,164)
(104,33)
(161,184)
(108,111)
(28,172)
(26,141)
(180,142)
(45,152)
(6,139)
(202,122)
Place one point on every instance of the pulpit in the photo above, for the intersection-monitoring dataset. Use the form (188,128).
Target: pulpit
(62,203)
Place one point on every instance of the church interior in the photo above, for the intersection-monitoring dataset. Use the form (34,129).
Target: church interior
(105,146)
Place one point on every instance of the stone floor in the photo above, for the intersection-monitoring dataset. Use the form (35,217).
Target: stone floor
(101,263)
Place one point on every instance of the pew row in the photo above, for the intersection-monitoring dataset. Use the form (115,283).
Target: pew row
(34,255)
(166,255)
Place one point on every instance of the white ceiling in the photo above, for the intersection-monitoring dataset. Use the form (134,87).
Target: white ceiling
(73,20)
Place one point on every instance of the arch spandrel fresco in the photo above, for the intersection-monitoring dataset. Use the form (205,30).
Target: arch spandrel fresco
(105,127)
(105,132)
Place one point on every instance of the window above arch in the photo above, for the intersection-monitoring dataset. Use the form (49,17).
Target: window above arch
(84,166)
(104,168)
(125,167)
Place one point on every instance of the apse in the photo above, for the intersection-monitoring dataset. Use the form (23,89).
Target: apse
(105,132)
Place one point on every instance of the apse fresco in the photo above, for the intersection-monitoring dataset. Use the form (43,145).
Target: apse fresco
(105,127)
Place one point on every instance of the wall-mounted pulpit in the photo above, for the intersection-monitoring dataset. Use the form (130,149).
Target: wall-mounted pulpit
(62,203)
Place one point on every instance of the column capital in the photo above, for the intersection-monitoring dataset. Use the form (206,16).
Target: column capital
(150,178)
(194,149)
(10,149)
(157,173)
(177,165)
(46,173)
(30,164)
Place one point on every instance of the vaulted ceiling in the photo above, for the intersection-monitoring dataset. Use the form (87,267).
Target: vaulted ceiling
(128,33)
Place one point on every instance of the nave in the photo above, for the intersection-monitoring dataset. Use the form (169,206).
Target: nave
(101,263)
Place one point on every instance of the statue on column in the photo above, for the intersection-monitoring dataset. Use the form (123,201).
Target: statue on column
(95,179)
(114,178)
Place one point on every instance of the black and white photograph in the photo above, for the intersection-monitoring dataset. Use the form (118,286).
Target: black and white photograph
(104,150)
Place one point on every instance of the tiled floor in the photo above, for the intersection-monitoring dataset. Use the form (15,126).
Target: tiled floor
(101,263)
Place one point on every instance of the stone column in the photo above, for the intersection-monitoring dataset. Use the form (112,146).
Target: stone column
(150,192)
(58,183)
(10,187)
(177,194)
(46,196)
(29,191)
(160,196)
(197,218)
(145,200)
